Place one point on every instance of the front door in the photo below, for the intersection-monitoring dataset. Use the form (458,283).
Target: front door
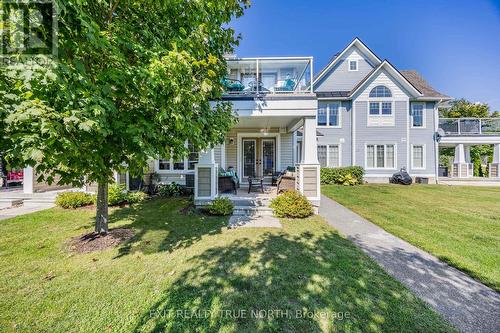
(259,158)
(268,157)
(249,158)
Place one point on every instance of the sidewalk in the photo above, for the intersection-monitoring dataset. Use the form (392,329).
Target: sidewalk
(7,213)
(463,301)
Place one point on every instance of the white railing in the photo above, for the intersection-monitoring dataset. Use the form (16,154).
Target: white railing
(262,76)
(470,126)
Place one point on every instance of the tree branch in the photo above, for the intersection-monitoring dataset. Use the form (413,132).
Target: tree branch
(112,8)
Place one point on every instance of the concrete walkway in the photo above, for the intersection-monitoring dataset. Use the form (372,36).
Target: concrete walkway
(7,213)
(463,301)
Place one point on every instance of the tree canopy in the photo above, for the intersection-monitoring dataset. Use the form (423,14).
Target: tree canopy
(132,80)
(462,108)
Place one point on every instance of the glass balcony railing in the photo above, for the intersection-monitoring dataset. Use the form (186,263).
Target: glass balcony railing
(470,126)
(260,76)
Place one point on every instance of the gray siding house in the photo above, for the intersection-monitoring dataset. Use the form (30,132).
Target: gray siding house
(372,115)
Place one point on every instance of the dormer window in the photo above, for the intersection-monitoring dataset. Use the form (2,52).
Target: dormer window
(353,65)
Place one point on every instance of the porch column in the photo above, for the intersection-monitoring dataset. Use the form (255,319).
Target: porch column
(495,163)
(205,181)
(461,162)
(308,170)
(28,180)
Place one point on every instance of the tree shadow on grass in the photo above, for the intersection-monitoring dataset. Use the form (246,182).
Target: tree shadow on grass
(281,282)
(161,225)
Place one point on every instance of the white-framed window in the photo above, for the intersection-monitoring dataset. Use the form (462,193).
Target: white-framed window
(329,155)
(353,65)
(380,113)
(322,116)
(329,114)
(381,108)
(417,115)
(418,156)
(381,156)
(184,164)
(380,91)
(192,157)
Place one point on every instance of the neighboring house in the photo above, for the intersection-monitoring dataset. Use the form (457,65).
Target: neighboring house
(358,110)
(373,115)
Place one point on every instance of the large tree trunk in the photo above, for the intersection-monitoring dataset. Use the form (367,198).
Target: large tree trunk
(101,218)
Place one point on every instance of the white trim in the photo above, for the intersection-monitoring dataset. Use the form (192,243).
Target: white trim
(339,116)
(353,133)
(239,141)
(424,117)
(394,167)
(356,42)
(262,154)
(379,175)
(349,65)
(424,155)
(395,74)
(373,120)
(223,155)
(328,145)
(171,161)
(254,153)
(407,133)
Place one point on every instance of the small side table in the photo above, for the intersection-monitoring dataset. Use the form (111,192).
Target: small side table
(255,182)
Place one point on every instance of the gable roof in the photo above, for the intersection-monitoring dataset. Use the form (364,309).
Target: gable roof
(425,88)
(394,72)
(355,42)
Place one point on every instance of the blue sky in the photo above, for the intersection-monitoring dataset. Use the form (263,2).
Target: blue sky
(455,45)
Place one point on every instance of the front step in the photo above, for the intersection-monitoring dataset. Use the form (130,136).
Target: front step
(252,211)
(259,202)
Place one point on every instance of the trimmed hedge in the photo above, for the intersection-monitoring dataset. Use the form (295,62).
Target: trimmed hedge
(291,204)
(342,176)
(74,199)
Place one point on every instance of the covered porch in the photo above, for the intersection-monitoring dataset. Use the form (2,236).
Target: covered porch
(259,149)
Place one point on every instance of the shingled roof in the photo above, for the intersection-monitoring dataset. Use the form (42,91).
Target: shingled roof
(418,82)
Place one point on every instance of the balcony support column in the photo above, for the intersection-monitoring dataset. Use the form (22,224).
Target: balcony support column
(461,162)
(494,167)
(205,179)
(308,170)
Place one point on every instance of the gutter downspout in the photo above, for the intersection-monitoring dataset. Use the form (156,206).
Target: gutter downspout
(436,143)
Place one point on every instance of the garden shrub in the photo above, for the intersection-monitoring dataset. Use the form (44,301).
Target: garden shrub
(170,190)
(220,207)
(291,204)
(74,199)
(116,194)
(343,176)
(136,197)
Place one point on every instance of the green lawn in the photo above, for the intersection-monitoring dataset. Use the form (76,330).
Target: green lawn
(460,225)
(178,264)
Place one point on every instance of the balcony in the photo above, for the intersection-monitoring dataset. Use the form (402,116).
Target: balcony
(268,76)
(470,126)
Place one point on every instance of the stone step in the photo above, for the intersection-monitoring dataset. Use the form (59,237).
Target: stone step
(252,211)
(251,202)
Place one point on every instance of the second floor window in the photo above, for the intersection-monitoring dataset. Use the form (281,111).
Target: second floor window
(380,108)
(417,112)
(329,115)
(380,91)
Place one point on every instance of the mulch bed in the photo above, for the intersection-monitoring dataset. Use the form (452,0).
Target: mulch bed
(95,242)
